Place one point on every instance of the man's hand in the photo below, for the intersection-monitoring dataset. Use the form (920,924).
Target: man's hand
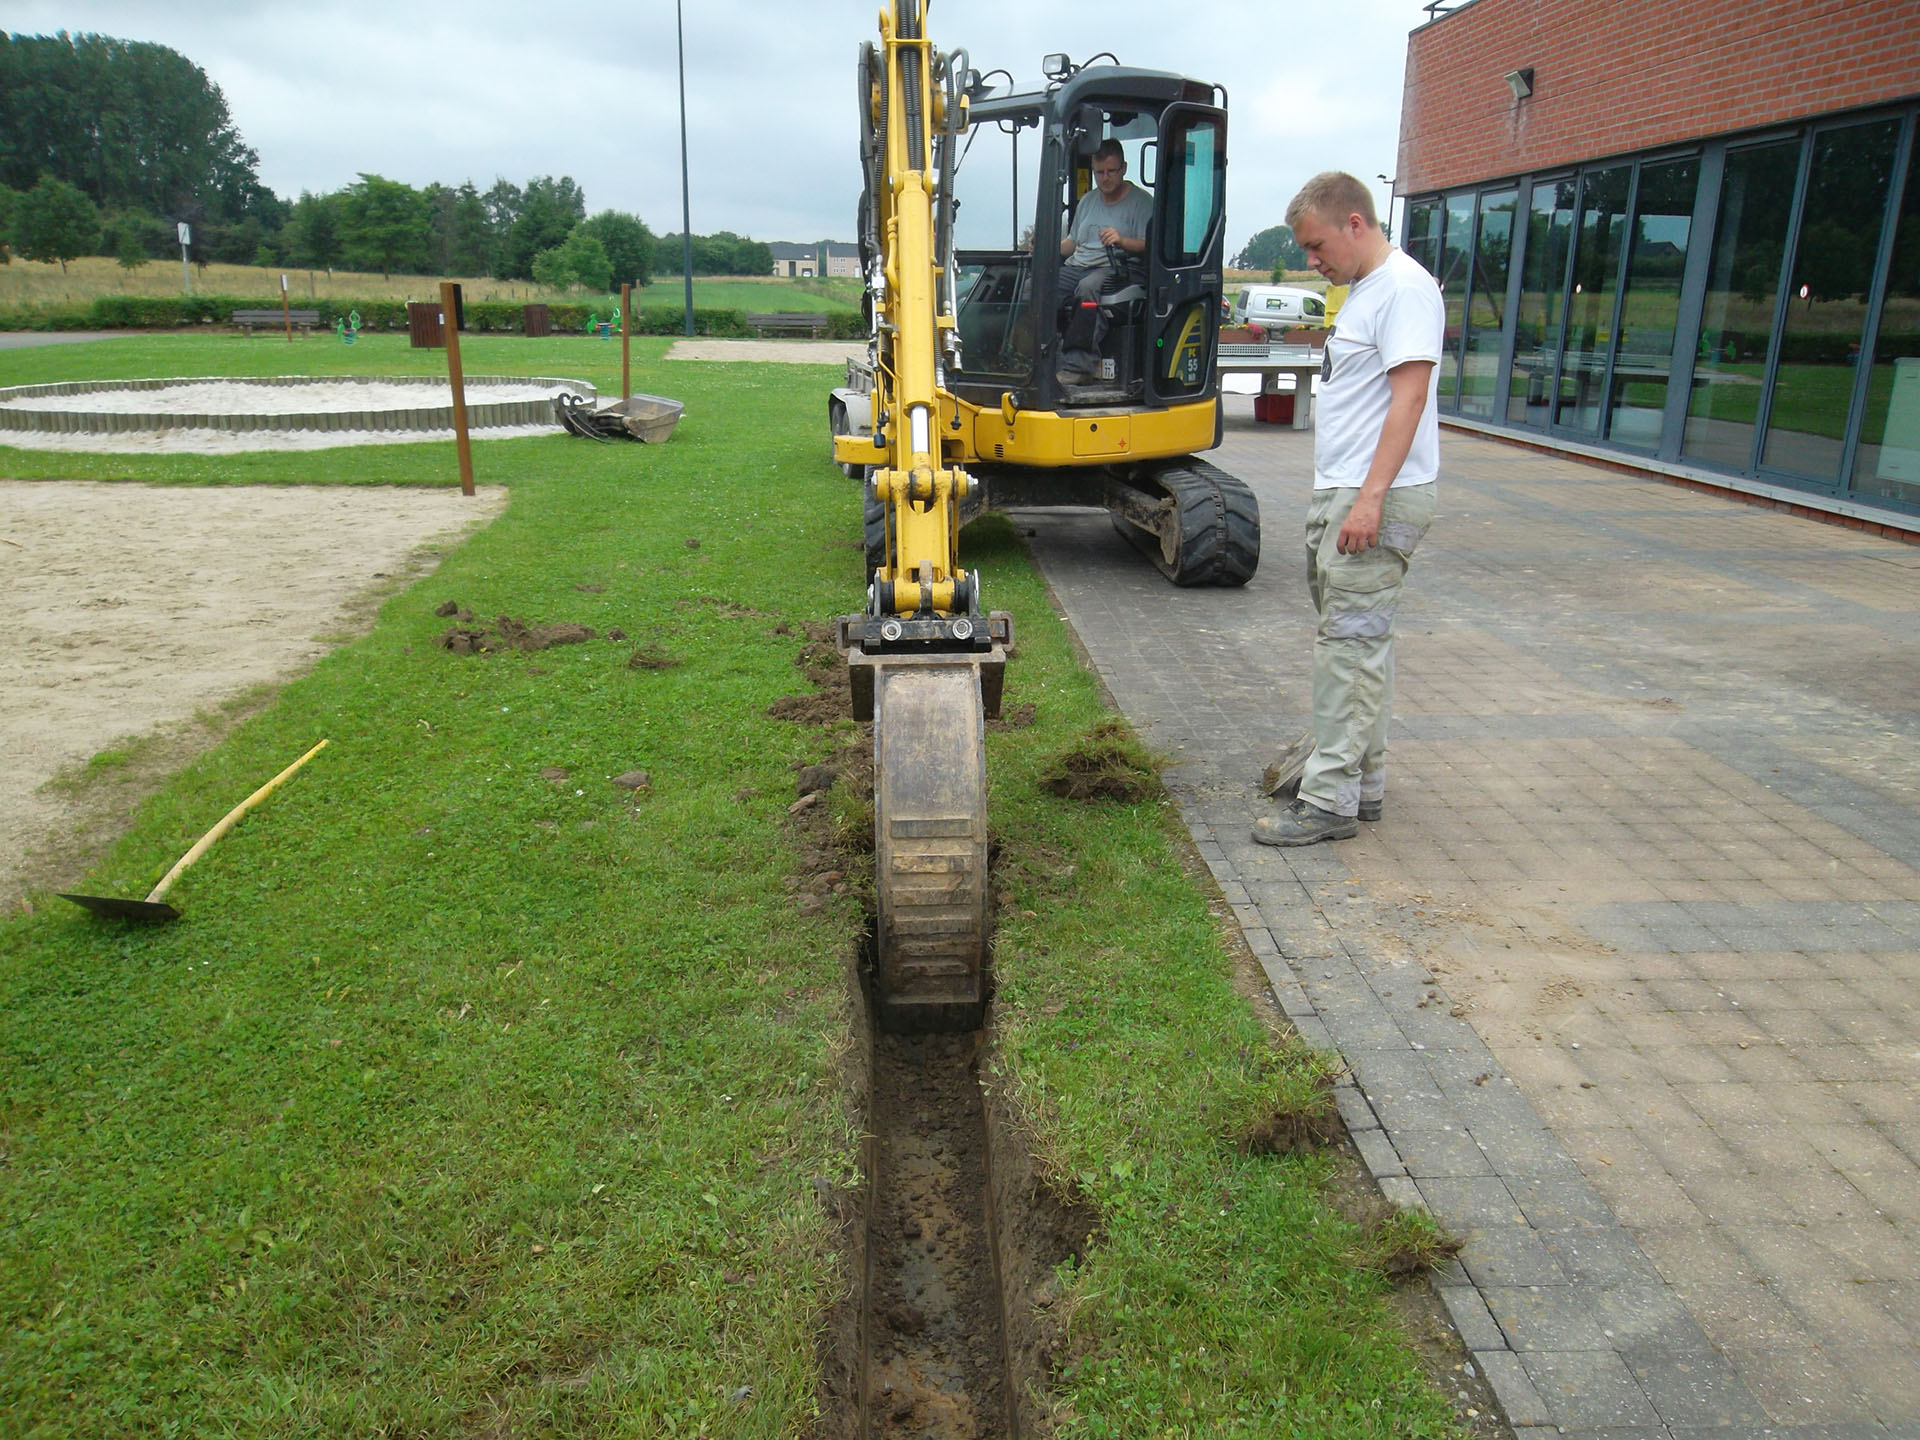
(1362,530)
(1111,236)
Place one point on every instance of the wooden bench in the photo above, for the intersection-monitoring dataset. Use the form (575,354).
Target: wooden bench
(812,322)
(273,319)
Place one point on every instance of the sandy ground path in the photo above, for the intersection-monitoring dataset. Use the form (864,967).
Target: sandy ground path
(134,608)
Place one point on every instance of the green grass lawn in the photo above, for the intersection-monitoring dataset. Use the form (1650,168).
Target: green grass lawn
(759,295)
(464,1100)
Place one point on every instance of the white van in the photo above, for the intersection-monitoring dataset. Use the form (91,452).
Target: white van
(1277,306)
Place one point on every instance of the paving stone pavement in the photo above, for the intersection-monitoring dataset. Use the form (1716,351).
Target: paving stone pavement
(1627,977)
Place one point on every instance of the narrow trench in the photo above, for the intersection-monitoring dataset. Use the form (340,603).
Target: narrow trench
(933,1347)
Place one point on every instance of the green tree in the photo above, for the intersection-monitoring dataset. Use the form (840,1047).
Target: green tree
(627,241)
(128,248)
(54,221)
(8,203)
(579,262)
(462,230)
(384,226)
(127,123)
(548,211)
(313,231)
(1271,248)
(721,253)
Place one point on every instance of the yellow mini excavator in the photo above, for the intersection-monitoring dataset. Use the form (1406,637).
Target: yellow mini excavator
(962,402)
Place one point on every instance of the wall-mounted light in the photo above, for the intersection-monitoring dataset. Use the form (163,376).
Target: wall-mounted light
(1520,82)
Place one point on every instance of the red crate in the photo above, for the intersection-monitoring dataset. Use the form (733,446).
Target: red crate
(1273,409)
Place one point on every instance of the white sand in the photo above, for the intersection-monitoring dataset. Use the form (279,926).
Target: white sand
(239,397)
(233,442)
(134,607)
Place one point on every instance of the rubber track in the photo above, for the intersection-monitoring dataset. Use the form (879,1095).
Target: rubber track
(874,516)
(1219,525)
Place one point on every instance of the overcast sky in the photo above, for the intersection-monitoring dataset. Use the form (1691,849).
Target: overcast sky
(425,90)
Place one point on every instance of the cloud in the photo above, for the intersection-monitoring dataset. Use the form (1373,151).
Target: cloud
(426,90)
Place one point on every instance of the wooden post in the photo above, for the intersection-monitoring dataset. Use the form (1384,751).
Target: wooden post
(626,332)
(286,315)
(450,327)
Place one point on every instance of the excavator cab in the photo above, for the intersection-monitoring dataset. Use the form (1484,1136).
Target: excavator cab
(1154,321)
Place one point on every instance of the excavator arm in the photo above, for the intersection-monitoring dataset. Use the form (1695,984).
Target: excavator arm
(925,663)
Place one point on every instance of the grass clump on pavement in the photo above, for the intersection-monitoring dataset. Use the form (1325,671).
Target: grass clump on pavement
(476,1092)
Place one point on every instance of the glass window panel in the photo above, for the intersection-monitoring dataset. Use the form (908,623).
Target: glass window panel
(1596,264)
(1456,244)
(1743,282)
(1487,306)
(1663,215)
(1193,190)
(1887,464)
(1423,234)
(1536,339)
(1827,304)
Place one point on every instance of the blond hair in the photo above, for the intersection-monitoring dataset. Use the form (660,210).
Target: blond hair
(1333,195)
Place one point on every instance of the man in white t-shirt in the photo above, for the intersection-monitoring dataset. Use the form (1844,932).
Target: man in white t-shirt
(1116,213)
(1376,454)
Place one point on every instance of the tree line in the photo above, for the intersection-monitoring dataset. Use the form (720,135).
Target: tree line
(106,145)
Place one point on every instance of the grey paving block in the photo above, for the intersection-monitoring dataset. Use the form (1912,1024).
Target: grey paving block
(1472,1203)
(1471,1320)
(1508,1255)
(1400,1192)
(1544,1317)
(1603,1256)
(1354,1109)
(1559,1203)
(1378,1153)
(1642,1318)
(1525,1149)
(1588,1389)
(1361,1025)
(1518,1396)
(1695,1387)
(1438,1154)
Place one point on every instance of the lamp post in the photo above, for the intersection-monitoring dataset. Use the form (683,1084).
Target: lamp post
(686,203)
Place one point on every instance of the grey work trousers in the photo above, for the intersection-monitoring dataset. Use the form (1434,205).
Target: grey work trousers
(1356,596)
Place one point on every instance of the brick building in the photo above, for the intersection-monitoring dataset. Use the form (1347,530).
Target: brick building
(1686,235)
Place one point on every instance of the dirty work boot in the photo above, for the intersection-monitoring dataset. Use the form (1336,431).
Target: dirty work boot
(1304,823)
(1369,809)
(1282,778)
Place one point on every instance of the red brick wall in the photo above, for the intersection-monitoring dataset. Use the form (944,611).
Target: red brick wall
(1612,76)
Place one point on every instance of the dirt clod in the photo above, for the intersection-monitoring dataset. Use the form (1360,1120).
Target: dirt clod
(692,544)
(816,777)
(634,780)
(447,608)
(616,633)
(1019,717)
(509,633)
(556,774)
(1107,763)
(651,660)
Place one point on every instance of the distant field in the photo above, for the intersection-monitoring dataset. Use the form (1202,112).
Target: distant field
(28,283)
(754,293)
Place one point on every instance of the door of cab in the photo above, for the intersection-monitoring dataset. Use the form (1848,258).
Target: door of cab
(1185,254)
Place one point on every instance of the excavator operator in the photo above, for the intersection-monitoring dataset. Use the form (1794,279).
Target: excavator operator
(1117,214)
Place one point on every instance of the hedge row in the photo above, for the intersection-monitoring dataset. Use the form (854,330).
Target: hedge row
(157,312)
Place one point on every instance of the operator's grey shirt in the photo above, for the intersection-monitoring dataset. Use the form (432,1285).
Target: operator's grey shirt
(1131,214)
